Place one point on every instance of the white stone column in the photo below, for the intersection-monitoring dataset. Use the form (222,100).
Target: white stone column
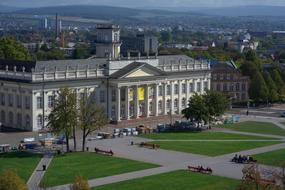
(172,97)
(187,90)
(118,104)
(146,100)
(127,103)
(179,96)
(209,83)
(164,99)
(156,95)
(202,86)
(136,101)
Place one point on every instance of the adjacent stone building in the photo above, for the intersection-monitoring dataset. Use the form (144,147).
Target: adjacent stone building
(227,78)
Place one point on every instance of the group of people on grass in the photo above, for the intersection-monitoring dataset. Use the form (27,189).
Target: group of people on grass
(243,159)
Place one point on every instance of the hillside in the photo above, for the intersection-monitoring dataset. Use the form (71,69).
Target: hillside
(99,12)
(245,11)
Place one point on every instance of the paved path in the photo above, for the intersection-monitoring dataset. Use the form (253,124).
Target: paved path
(171,160)
(221,165)
(35,179)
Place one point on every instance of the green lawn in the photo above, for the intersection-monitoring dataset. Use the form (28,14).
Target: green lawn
(21,162)
(177,180)
(211,148)
(274,158)
(64,169)
(200,136)
(256,127)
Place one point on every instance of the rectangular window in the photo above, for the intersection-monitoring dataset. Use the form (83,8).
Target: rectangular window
(184,88)
(11,100)
(225,87)
(102,96)
(2,99)
(50,101)
(168,90)
(198,86)
(243,86)
(19,101)
(160,91)
(191,87)
(176,89)
(218,87)
(206,86)
(237,87)
(113,95)
(39,102)
(27,102)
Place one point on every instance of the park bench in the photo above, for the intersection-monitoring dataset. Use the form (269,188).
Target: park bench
(104,152)
(200,170)
(149,145)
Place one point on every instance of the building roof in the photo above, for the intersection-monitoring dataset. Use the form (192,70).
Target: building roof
(62,65)
(19,65)
(175,59)
(133,67)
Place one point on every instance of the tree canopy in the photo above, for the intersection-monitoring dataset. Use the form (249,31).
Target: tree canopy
(13,50)
(206,107)
(63,117)
(10,180)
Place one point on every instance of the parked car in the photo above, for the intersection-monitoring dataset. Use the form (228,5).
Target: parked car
(283,114)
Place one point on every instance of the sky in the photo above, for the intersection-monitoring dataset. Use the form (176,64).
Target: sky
(142,3)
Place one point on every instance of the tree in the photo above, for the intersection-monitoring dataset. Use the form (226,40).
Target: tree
(80,53)
(91,118)
(258,90)
(13,50)
(279,83)
(80,184)
(273,94)
(10,180)
(197,109)
(216,102)
(63,117)
(52,54)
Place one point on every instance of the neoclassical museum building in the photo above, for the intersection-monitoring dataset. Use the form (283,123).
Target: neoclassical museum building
(127,87)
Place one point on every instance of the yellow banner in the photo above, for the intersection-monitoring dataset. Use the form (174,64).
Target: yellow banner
(131,95)
(141,93)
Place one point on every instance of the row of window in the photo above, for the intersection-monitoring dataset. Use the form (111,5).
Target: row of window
(223,77)
(11,119)
(231,87)
(12,100)
(40,102)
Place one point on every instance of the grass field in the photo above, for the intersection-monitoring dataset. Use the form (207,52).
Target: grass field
(256,127)
(274,158)
(174,141)
(64,169)
(211,148)
(200,136)
(175,181)
(21,162)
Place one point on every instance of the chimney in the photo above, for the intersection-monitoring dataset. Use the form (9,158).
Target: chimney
(56,25)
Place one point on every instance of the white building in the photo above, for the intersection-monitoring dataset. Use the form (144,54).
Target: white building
(127,88)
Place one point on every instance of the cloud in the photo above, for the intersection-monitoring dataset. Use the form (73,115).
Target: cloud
(148,3)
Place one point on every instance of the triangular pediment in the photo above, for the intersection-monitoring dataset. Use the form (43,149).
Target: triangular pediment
(138,70)
(141,72)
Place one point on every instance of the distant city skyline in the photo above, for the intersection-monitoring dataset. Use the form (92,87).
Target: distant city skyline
(143,3)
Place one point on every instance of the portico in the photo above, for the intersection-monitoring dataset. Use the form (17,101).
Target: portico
(144,91)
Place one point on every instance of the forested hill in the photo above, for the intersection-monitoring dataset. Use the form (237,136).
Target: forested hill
(99,12)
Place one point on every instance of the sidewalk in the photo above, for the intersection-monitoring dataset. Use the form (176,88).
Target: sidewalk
(35,179)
